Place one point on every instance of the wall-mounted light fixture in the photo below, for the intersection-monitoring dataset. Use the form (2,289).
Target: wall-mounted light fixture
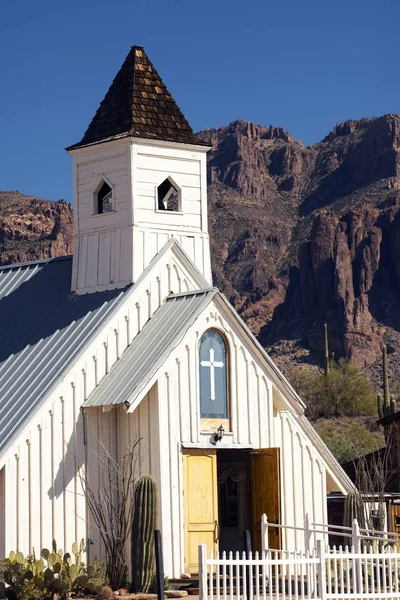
(220,433)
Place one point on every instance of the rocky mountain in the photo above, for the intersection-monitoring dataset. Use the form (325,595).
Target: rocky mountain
(32,229)
(307,235)
(300,236)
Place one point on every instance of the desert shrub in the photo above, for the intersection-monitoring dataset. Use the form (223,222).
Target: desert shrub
(343,392)
(349,442)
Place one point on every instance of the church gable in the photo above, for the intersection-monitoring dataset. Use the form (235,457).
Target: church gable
(51,335)
(198,342)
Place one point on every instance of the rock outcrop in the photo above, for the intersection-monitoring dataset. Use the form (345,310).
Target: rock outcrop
(307,235)
(32,228)
(299,235)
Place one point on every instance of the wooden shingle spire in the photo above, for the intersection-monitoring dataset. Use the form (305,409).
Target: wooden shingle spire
(138,104)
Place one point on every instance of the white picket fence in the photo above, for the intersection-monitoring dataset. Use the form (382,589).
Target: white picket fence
(315,531)
(277,574)
(370,570)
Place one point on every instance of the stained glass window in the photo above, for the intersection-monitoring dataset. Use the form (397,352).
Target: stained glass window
(213,385)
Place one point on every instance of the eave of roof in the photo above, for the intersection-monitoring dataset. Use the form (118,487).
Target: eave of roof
(44,328)
(13,415)
(150,348)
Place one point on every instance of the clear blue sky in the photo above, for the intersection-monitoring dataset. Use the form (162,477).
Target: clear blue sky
(303,65)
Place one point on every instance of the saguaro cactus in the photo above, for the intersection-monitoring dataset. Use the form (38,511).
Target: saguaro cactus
(354,509)
(325,370)
(144,524)
(388,406)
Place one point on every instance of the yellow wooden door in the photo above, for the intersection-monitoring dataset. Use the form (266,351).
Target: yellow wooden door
(395,520)
(200,503)
(265,495)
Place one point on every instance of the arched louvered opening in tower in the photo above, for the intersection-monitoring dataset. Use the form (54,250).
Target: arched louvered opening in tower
(103,201)
(169,196)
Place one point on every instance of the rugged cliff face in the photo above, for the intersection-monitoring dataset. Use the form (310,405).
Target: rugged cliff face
(32,229)
(302,236)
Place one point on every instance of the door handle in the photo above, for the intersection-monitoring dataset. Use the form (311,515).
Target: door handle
(216,532)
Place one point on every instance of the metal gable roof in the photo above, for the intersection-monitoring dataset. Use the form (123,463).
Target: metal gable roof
(43,327)
(150,348)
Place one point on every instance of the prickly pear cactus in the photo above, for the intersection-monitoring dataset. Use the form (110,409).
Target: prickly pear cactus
(144,524)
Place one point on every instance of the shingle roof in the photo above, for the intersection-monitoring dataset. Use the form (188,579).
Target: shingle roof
(150,348)
(44,326)
(139,104)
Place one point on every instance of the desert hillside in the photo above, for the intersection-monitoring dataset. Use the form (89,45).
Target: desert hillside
(300,236)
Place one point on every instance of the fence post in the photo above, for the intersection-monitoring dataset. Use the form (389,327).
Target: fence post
(202,572)
(159,564)
(321,569)
(247,549)
(264,532)
(355,535)
(246,541)
(307,533)
(356,543)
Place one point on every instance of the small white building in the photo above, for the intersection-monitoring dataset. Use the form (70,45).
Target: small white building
(141,345)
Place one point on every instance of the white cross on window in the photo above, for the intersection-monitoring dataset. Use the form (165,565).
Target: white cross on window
(212,364)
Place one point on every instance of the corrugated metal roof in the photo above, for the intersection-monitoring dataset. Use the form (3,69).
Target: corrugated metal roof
(43,327)
(150,348)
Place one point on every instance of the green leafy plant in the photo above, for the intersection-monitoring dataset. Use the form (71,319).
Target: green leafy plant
(344,391)
(348,440)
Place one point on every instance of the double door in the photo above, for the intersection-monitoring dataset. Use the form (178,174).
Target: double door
(200,479)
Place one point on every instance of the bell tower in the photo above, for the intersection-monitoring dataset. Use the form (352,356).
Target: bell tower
(139,178)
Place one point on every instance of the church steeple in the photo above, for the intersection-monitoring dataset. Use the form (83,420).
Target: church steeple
(138,104)
(139,179)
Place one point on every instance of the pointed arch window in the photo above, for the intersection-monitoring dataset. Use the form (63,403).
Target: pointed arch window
(169,196)
(213,376)
(103,200)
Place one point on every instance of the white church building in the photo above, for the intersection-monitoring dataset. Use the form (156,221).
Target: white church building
(129,339)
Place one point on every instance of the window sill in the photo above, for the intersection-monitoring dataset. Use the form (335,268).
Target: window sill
(212,432)
(112,212)
(169,212)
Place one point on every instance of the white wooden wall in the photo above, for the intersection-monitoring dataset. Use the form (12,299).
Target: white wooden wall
(115,430)
(2,511)
(150,166)
(103,252)
(113,249)
(260,418)
(42,498)
(42,495)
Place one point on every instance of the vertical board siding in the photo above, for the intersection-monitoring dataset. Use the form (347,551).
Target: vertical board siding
(57,491)
(23,495)
(115,248)
(2,513)
(168,537)
(166,417)
(44,496)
